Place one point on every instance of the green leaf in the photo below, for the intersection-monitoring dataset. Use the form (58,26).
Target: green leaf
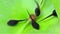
(17,9)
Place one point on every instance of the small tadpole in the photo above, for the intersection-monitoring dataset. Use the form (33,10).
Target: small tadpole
(37,10)
(13,22)
(35,25)
(53,14)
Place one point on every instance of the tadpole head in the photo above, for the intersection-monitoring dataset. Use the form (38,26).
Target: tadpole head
(35,25)
(37,11)
(12,22)
(54,13)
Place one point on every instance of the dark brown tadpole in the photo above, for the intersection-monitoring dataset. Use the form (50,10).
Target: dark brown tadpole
(53,14)
(35,25)
(13,22)
(37,10)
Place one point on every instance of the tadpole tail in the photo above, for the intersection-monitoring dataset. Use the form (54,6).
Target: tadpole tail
(53,14)
(47,17)
(29,14)
(36,3)
(23,20)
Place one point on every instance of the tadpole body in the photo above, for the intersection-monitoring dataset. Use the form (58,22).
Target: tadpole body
(54,13)
(35,25)
(37,11)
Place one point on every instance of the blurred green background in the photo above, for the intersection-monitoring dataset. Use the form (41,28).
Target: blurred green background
(17,9)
